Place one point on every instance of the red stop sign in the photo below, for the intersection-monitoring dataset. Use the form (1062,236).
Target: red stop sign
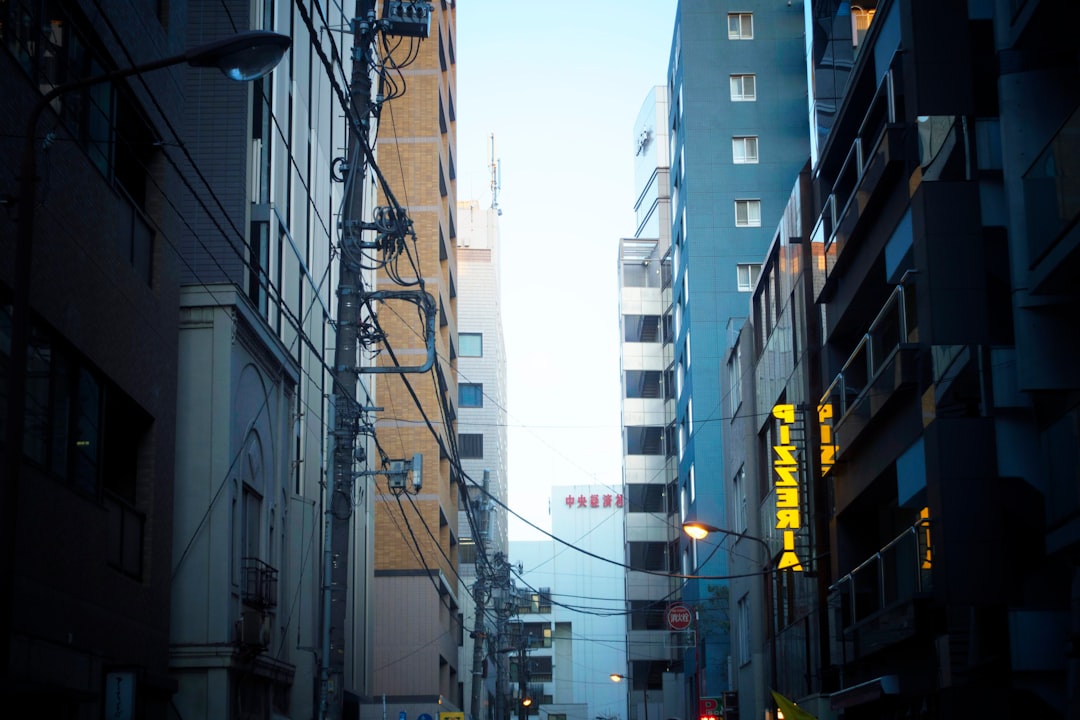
(678,617)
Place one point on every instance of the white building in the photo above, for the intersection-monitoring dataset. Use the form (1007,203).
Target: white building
(481,428)
(574,604)
(650,452)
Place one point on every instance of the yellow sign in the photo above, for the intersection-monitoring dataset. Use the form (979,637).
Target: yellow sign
(451,716)
(788,507)
(828,447)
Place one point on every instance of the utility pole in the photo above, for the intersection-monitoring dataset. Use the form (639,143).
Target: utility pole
(479,635)
(409,18)
(347,411)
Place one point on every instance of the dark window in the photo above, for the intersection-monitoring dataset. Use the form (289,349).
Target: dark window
(641,328)
(471,445)
(258,264)
(644,440)
(471,395)
(645,498)
(647,615)
(642,383)
(648,555)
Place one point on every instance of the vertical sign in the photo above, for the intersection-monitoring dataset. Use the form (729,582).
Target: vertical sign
(120,695)
(788,505)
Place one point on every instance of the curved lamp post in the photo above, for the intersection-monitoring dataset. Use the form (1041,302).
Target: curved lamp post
(243,57)
(617,678)
(699,531)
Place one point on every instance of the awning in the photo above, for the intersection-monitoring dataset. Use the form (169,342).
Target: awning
(865,692)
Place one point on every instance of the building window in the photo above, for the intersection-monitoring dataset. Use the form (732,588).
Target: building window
(740,26)
(741,510)
(744,88)
(645,498)
(744,630)
(471,395)
(79,427)
(747,213)
(648,615)
(735,380)
(471,344)
(646,440)
(471,445)
(744,150)
(747,275)
(648,555)
(642,383)
(641,328)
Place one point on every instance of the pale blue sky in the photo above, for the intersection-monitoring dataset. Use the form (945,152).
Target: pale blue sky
(560,84)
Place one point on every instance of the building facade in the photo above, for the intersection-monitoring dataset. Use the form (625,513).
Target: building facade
(482,442)
(937,441)
(89,416)
(567,640)
(650,472)
(738,137)
(254,417)
(418,611)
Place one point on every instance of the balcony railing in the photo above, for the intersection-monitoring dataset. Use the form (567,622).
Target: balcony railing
(896,324)
(894,574)
(259,583)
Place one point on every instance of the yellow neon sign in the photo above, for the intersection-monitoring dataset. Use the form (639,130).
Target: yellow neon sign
(786,485)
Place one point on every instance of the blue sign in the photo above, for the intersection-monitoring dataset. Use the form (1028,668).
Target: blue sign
(424,716)
(402,715)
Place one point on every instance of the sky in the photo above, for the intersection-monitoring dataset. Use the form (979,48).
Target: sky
(559,83)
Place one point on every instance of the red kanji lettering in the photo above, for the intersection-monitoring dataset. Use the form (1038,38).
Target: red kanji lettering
(582,502)
(594,501)
(619,500)
(607,501)
(569,501)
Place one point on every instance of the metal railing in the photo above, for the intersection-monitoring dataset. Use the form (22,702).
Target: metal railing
(259,583)
(893,326)
(896,572)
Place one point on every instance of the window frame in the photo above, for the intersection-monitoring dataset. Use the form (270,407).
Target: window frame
(739,79)
(748,203)
(744,157)
(751,276)
(470,395)
(462,344)
(741,32)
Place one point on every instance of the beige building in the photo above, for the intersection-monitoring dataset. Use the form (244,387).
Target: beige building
(417,611)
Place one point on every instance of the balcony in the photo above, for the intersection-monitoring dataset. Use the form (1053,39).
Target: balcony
(882,363)
(876,155)
(259,584)
(876,605)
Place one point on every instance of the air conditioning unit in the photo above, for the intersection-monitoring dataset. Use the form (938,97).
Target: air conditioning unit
(255,628)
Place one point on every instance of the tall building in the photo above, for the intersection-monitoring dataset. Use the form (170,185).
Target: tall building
(650,472)
(738,137)
(482,440)
(938,441)
(418,613)
(567,640)
(89,415)
(257,306)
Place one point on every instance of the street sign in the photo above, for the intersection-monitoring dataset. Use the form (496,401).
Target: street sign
(709,708)
(678,617)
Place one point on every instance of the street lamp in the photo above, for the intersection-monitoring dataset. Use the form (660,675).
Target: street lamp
(243,57)
(700,530)
(617,678)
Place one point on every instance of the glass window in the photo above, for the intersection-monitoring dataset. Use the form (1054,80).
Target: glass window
(471,395)
(747,275)
(641,328)
(471,445)
(744,88)
(645,498)
(740,26)
(643,383)
(471,344)
(644,440)
(744,150)
(747,213)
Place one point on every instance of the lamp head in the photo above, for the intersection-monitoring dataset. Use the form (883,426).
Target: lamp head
(698,530)
(616,677)
(247,56)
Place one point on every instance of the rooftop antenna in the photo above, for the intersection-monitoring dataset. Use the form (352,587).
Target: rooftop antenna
(496,178)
